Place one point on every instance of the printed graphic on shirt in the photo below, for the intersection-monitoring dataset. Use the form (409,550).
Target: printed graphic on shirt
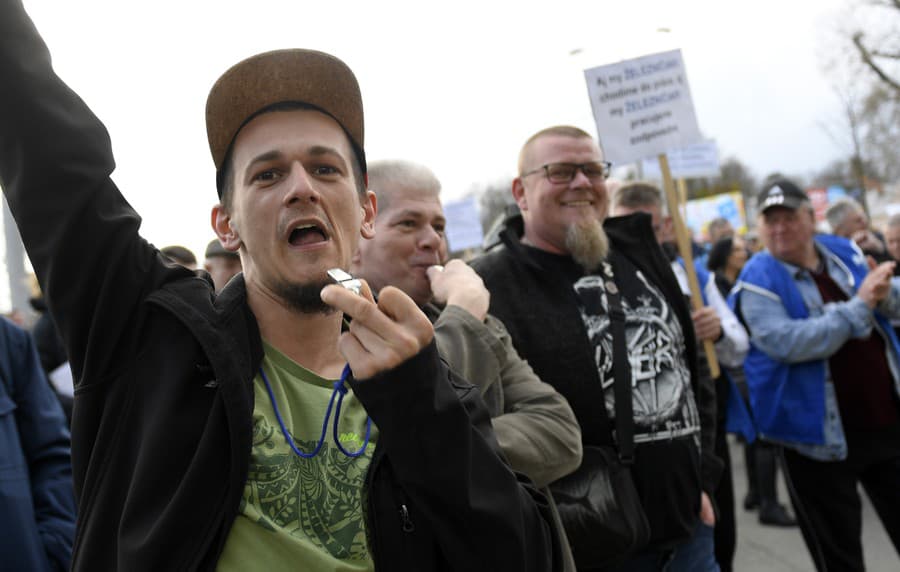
(318,499)
(662,397)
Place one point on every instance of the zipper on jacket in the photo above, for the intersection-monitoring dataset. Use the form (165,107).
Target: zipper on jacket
(406,523)
(372,536)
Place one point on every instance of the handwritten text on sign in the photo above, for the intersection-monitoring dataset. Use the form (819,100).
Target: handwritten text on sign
(642,107)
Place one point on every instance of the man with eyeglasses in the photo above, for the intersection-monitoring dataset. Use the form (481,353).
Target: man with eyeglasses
(550,279)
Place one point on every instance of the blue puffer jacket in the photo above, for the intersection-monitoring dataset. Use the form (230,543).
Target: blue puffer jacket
(37,501)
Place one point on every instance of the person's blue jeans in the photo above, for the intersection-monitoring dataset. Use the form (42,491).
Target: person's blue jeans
(695,555)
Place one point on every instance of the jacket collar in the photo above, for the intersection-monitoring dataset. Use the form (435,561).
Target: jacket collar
(626,233)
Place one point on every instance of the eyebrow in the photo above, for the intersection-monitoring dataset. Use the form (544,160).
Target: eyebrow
(417,215)
(319,150)
(262,158)
(315,151)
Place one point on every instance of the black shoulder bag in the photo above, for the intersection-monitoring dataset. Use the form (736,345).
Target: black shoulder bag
(598,503)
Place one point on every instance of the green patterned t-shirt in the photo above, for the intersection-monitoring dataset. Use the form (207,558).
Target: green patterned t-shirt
(296,513)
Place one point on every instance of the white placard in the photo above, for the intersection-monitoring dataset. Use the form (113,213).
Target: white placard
(699,160)
(463,224)
(61,378)
(642,107)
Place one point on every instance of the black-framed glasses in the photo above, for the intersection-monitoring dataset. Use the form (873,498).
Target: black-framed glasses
(565,172)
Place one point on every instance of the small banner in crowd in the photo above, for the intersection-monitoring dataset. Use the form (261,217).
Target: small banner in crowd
(700,160)
(821,198)
(463,224)
(729,206)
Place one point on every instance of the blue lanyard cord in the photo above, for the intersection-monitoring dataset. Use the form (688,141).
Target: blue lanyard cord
(339,387)
(287,434)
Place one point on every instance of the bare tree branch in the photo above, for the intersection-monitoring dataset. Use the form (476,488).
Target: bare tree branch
(886,3)
(873,65)
(887,55)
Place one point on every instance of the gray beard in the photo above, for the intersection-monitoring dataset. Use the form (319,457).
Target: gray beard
(304,298)
(587,243)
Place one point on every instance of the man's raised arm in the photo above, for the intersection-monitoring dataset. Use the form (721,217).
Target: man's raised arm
(55,164)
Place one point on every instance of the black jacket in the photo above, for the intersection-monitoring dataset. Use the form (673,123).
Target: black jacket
(161,433)
(540,311)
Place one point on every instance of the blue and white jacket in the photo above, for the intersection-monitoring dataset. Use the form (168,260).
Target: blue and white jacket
(792,335)
(731,349)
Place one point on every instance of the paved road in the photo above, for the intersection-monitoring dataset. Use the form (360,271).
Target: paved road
(774,549)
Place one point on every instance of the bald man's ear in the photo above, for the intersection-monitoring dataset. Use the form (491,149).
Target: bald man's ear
(225,228)
(370,211)
(518,193)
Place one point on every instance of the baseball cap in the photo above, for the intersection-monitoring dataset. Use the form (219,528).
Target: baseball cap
(314,78)
(780,193)
(215,248)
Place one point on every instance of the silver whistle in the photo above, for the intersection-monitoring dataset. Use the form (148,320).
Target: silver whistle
(346,280)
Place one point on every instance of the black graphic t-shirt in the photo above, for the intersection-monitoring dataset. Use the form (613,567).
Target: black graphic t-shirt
(662,397)
(666,419)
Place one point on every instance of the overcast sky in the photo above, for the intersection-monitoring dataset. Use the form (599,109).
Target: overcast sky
(457,86)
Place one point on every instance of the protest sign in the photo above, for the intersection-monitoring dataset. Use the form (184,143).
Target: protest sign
(642,107)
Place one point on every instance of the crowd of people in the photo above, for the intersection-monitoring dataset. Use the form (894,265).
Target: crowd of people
(333,392)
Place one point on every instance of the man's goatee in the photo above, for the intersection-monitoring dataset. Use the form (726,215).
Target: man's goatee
(587,243)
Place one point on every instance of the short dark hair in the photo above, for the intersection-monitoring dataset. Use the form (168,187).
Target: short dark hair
(179,255)
(717,223)
(719,253)
(557,130)
(636,195)
(225,175)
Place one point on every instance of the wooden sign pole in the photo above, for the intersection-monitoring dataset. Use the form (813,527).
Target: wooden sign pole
(684,248)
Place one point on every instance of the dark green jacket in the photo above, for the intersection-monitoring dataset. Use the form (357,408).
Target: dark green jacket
(534,424)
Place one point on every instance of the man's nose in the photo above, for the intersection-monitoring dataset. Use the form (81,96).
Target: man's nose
(430,238)
(580,180)
(780,227)
(300,187)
